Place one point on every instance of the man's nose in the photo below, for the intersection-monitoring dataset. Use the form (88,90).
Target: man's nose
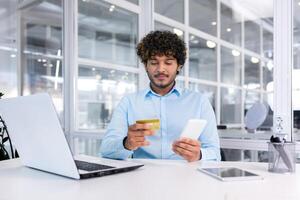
(161,67)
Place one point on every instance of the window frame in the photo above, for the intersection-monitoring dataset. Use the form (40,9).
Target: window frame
(283,13)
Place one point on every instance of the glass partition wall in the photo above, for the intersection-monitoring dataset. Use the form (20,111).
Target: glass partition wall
(230,55)
(296,71)
(230,58)
(41,53)
(8,49)
(107,64)
(108,68)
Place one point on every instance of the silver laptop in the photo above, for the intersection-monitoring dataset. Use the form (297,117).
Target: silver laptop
(35,131)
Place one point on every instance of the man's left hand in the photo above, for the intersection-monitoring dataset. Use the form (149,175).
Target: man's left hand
(189,149)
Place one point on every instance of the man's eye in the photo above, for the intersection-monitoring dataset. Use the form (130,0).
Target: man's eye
(153,63)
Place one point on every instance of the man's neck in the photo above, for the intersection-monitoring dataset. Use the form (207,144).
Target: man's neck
(162,91)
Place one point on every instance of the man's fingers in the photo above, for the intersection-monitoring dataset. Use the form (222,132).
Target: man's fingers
(139,127)
(134,140)
(136,133)
(149,132)
(189,141)
(140,144)
(183,152)
(175,150)
(140,133)
(139,139)
(185,147)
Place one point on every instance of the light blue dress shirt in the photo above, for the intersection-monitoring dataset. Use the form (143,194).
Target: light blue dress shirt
(174,110)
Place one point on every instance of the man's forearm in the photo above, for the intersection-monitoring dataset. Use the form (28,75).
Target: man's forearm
(113,148)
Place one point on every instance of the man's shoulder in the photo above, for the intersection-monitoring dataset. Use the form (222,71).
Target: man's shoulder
(189,92)
(135,95)
(195,96)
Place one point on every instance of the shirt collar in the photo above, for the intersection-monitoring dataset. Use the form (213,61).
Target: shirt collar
(176,90)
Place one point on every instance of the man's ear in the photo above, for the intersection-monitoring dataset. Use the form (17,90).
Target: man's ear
(178,69)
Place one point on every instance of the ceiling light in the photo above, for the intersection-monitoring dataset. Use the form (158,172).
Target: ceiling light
(210,44)
(98,77)
(39,60)
(178,32)
(111,8)
(254,60)
(87,84)
(231,91)
(195,41)
(93,69)
(270,65)
(192,37)
(44,60)
(299,3)
(59,52)
(270,54)
(235,53)
(228,29)
(214,23)
(57,70)
(13,55)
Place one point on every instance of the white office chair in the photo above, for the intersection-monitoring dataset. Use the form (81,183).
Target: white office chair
(256,116)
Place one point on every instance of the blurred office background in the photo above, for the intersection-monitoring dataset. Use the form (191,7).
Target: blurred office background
(82,53)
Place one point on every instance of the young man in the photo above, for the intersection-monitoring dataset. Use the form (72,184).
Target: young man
(163,54)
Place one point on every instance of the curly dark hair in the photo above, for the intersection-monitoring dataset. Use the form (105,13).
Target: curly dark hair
(161,43)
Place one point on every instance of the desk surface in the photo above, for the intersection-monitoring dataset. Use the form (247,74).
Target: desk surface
(158,179)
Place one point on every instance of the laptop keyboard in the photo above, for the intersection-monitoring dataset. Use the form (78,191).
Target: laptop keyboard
(91,166)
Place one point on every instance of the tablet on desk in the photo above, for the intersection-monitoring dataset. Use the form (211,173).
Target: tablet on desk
(230,174)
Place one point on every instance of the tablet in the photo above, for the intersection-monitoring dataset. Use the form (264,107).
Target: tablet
(230,174)
(193,128)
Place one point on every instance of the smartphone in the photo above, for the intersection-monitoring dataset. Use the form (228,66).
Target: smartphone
(193,128)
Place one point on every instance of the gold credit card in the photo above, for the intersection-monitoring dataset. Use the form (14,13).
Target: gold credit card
(155,123)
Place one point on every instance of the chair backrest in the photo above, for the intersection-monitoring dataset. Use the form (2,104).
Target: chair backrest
(256,115)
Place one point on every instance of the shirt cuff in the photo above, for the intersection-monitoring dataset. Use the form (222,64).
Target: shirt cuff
(203,154)
(124,153)
(124,140)
(207,154)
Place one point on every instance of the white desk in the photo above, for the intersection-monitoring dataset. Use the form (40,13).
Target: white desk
(158,179)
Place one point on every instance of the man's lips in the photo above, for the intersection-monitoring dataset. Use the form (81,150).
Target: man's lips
(161,76)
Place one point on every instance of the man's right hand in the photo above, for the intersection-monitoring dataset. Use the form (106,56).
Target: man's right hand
(136,136)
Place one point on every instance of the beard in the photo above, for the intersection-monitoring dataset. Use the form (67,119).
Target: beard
(159,84)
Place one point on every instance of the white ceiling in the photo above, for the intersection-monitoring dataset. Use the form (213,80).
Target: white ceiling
(254,9)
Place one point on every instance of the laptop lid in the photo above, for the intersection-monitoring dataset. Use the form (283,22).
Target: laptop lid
(36,132)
